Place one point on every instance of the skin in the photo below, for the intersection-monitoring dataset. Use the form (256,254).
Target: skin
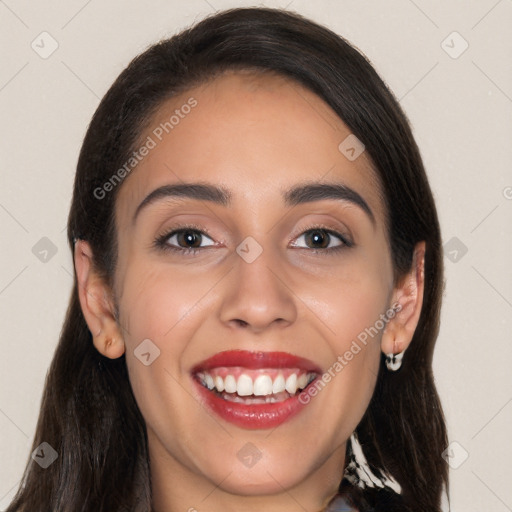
(255,135)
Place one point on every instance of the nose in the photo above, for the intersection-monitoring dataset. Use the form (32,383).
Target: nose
(257,295)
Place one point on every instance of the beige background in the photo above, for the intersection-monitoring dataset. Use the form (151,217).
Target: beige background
(461,112)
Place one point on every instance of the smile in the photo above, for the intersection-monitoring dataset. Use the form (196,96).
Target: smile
(254,390)
(274,384)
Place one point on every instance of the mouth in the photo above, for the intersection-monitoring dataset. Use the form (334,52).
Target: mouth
(254,390)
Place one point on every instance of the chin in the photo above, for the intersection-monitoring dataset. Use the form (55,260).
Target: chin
(259,479)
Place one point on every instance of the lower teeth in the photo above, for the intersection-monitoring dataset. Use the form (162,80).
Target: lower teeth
(269,399)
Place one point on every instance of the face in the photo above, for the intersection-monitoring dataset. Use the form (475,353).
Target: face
(214,280)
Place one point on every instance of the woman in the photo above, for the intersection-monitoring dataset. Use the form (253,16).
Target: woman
(258,281)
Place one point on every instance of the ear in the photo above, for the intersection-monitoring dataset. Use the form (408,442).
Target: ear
(97,304)
(408,299)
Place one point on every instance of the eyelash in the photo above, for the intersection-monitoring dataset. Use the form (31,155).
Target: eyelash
(161,242)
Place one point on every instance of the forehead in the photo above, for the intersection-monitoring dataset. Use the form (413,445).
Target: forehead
(253,134)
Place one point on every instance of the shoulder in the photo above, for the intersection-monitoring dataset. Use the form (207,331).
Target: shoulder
(339,504)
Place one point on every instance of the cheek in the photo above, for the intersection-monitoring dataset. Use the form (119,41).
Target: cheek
(157,303)
(354,307)
(160,312)
(352,302)
(151,308)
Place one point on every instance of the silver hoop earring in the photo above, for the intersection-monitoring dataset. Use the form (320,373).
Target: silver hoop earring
(394,361)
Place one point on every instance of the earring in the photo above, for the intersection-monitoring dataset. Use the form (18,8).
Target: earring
(394,361)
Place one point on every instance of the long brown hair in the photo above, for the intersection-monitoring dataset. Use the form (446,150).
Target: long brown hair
(88,412)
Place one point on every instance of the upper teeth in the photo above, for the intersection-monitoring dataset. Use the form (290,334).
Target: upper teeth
(261,385)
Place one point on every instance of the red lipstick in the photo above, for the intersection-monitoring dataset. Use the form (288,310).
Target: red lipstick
(254,390)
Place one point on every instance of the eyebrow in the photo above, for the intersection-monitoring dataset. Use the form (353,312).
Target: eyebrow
(300,194)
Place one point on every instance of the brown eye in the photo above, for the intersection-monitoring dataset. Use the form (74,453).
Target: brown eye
(319,238)
(184,239)
(189,238)
(322,238)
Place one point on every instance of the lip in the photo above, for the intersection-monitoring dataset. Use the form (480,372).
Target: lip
(256,360)
(253,416)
